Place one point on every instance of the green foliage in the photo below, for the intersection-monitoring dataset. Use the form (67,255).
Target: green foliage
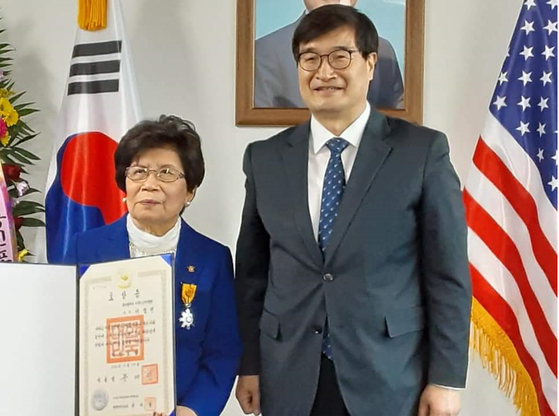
(14,158)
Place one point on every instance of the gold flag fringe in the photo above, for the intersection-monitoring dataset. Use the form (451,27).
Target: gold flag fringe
(499,357)
(92,14)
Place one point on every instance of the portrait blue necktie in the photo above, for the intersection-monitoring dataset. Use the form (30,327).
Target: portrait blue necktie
(332,191)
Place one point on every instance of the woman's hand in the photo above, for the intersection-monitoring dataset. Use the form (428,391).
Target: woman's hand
(180,411)
(185,411)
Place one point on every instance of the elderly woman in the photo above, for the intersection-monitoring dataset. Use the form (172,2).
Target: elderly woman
(159,165)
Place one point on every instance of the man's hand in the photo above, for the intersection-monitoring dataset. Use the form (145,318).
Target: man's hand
(439,401)
(248,394)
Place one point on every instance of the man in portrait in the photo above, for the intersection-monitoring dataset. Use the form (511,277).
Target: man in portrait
(275,75)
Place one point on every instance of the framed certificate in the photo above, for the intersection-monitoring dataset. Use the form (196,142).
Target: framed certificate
(99,345)
(127,338)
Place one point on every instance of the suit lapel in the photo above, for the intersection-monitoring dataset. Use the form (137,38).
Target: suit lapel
(115,246)
(295,157)
(371,155)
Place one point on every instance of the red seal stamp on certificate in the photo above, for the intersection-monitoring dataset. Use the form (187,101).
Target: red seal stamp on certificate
(125,339)
(149,374)
(150,403)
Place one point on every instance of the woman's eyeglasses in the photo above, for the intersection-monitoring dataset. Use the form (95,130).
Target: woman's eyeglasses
(141,173)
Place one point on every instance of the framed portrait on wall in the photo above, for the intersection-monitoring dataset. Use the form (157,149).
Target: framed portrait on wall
(267,90)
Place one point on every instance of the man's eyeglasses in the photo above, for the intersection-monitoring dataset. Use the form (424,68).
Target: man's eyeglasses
(141,173)
(338,59)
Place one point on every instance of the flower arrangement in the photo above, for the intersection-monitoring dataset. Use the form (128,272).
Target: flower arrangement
(15,160)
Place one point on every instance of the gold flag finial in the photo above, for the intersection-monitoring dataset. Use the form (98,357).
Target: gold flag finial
(92,14)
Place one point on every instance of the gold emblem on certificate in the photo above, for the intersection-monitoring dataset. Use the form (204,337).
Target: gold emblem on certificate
(188,291)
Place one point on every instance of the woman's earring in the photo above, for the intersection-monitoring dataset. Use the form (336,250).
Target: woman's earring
(124,200)
(187,204)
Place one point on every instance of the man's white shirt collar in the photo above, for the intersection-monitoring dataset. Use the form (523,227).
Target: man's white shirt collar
(352,134)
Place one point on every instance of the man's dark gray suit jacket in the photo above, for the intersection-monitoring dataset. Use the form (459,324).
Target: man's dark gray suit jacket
(393,281)
(275,73)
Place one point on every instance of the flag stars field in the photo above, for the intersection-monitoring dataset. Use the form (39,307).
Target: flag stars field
(524,102)
(527,53)
(528,27)
(551,27)
(553,183)
(525,78)
(540,155)
(503,78)
(500,102)
(523,128)
(546,78)
(529,4)
(543,103)
(548,52)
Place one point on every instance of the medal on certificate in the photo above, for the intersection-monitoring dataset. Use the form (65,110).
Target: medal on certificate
(188,291)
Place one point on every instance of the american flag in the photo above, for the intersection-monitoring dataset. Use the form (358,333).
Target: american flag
(511,206)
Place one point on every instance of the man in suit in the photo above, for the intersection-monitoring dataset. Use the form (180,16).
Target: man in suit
(275,77)
(353,300)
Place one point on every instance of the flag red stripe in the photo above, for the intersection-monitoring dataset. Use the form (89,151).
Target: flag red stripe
(504,249)
(523,203)
(505,317)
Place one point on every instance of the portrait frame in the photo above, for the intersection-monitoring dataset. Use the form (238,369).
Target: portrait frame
(246,114)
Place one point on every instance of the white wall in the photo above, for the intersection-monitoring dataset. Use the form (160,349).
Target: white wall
(184,54)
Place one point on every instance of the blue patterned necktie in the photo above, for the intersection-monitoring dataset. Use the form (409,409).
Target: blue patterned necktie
(332,191)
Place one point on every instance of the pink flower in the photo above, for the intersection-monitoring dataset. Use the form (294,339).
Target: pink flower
(22,187)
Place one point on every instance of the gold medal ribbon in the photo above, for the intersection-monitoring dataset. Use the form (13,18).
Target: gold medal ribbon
(187,293)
